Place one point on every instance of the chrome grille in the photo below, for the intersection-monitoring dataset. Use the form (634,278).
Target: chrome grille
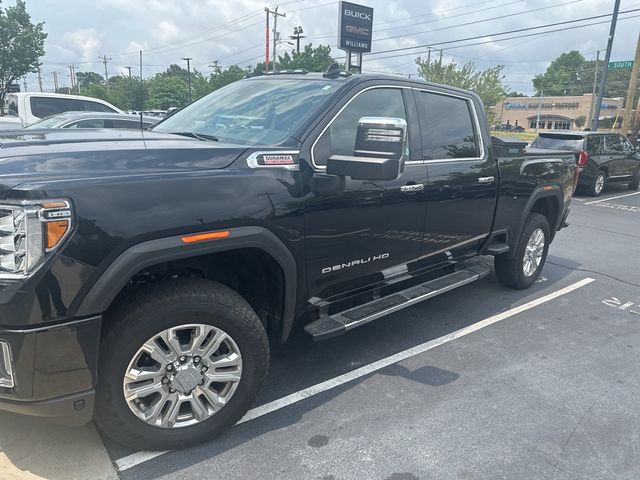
(13,231)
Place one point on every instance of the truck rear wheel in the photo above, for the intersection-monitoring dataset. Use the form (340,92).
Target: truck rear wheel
(181,361)
(522,270)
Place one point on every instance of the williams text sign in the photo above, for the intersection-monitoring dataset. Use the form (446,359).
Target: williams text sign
(356,25)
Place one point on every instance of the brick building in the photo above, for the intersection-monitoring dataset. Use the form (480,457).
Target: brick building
(556,113)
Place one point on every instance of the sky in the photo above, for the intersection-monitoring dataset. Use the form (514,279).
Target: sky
(233,32)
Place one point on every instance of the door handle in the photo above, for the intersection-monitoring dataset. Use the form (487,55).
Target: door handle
(416,187)
(486,179)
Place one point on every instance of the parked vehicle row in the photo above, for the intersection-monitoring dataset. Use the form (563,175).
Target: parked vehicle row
(602,157)
(94,120)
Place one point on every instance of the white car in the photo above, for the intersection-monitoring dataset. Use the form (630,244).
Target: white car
(30,107)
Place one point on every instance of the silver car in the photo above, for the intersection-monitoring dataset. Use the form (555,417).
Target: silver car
(93,120)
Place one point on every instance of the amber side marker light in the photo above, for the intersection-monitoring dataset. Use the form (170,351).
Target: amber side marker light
(203,237)
(55,231)
(55,205)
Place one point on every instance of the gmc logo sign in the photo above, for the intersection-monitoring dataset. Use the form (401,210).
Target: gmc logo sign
(357,30)
(360,15)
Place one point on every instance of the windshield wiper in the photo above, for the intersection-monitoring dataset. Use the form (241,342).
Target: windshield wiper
(199,136)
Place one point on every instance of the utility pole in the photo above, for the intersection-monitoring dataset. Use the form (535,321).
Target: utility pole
(39,78)
(593,92)
(440,56)
(75,80)
(266,50)
(71,77)
(105,60)
(24,82)
(539,110)
(55,82)
(130,89)
(631,92)
(635,131)
(605,66)
(275,35)
(188,59)
(429,57)
(297,35)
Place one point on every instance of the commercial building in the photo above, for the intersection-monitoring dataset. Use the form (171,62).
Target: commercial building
(555,113)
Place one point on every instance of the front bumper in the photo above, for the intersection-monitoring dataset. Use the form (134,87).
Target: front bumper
(54,370)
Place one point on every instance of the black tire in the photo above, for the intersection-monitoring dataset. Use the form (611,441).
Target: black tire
(510,270)
(158,307)
(635,181)
(595,189)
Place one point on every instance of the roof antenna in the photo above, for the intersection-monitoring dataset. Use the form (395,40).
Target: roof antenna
(335,71)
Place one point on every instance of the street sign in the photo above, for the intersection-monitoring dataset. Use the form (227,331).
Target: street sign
(620,65)
(13,88)
(355,27)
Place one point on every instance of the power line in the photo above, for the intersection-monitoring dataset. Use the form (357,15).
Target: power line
(500,33)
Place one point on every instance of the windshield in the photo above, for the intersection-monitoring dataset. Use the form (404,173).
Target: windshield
(258,112)
(48,122)
(558,142)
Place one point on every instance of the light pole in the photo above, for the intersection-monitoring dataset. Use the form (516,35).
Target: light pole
(297,35)
(188,59)
(130,90)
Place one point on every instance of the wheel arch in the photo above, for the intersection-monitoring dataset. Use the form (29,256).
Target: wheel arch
(161,251)
(546,200)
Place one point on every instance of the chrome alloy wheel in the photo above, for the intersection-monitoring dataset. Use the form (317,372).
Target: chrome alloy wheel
(599,186)
(182,376)
(533,252)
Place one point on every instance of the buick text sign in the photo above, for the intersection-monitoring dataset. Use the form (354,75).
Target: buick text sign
(356,24)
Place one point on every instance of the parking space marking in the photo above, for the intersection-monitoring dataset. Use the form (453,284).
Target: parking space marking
(612,198)
(138,458)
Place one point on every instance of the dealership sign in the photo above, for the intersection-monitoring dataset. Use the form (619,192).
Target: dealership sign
(356,25)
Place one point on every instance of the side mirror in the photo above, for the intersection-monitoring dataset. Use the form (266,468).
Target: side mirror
(379,151)
(638,149)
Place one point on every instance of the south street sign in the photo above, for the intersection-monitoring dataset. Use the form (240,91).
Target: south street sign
(355,27)
(620,65)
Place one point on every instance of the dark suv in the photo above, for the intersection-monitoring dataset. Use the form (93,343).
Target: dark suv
(602,157)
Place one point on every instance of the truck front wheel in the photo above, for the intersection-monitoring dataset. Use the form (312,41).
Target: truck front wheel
(181,361)
(523,268)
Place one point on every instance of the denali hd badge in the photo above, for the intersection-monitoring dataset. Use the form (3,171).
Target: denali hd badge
(354,263)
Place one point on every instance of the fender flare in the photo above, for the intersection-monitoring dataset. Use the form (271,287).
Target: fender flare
(539,192)
(153,252)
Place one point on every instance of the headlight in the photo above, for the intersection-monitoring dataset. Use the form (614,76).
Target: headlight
(28,231)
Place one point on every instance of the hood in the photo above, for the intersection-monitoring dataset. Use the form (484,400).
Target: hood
(49,155)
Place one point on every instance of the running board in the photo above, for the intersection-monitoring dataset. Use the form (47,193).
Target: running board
(338,323)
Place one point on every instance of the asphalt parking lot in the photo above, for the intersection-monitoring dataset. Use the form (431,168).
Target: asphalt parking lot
(482,382)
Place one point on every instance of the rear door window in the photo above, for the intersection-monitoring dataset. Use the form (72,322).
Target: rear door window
(46,106)
(595,145)
(89,123)
(135,124)
(447,127)
(89,106)
(614,144)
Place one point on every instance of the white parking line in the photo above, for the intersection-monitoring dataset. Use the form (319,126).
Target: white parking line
(612,198)
(137,458)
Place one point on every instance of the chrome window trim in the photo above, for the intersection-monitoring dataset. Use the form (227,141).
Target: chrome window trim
(322,168)
(475,119)
(252,160)
(476,124)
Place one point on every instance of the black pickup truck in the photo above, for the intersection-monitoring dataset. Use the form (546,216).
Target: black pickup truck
(143,275)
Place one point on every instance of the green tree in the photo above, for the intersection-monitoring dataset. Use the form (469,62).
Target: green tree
(311,59)
(488,84)
(84,79)
(167,91)
(571,74)
(225,77)
(21,46)
(580,121)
